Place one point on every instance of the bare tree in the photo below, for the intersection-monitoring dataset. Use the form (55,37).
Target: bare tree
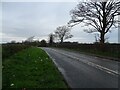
(100,16)
(51,39)
(63,32)
(30,39)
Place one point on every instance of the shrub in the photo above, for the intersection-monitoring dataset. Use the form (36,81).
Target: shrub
(10,49)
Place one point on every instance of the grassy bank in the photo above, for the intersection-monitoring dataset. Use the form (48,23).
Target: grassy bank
(31,68)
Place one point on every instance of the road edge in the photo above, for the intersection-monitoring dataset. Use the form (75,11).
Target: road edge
(69,88)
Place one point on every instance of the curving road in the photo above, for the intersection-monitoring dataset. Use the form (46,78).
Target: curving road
(84,71)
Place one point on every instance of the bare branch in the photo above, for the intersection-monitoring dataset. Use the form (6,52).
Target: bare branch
(99,15)
(63,32)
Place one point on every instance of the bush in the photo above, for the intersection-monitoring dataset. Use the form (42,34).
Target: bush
(10,49)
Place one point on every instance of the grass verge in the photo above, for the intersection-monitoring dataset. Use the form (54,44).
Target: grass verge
(31,68)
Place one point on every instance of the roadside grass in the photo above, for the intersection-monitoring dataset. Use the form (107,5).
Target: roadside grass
(31,68)
(0,66)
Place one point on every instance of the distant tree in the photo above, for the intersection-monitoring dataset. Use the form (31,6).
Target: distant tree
(30,39)
(51,39)
(62,33)
(13,42)
(35,43)
(101,16)
(43,43)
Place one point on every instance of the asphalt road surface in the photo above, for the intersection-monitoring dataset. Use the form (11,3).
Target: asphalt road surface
(84,71)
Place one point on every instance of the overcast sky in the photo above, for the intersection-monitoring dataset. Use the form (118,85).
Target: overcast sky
(21,20)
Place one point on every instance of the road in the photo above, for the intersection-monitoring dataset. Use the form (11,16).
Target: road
(84,71)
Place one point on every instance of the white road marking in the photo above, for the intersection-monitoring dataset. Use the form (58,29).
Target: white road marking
(107,70)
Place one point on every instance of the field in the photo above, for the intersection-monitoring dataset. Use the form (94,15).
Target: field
(31,68)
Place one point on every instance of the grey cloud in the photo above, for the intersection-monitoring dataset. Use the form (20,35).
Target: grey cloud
(22,20)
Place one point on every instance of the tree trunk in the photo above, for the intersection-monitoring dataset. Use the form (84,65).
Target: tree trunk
(102,42)
(102,38)
(61,40)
